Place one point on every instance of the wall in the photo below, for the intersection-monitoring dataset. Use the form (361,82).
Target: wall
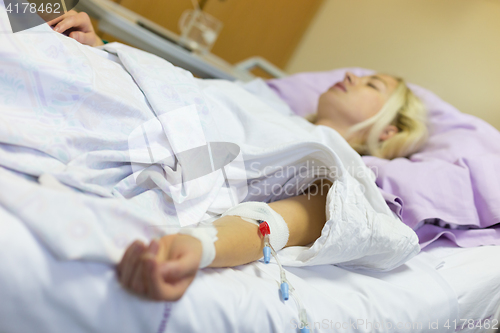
(268,28)
(451,47)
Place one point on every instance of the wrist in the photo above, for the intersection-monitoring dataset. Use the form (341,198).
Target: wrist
(239,242)
(206,235)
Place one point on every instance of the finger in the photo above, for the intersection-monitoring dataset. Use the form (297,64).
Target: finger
(153,279)
(65,24)
(83,38)
(128,252)
(158,289)
(80,21)
(149,260)
(154,247)
(58,19)
(173,292)
(62,17)
(125,258)
(178,269)
(131,263)
(139,279)
(136,283)
(55,21)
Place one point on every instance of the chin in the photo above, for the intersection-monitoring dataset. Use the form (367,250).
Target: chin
(331,106)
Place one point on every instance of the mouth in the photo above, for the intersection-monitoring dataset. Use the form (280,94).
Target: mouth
(340,85)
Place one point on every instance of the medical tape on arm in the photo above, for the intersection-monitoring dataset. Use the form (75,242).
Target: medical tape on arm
(207,235)
(258,213)
(254,211)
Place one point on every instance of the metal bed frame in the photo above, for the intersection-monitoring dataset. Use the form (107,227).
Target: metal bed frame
(142,33)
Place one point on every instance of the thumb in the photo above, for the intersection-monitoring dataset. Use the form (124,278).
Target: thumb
(82,37)
(178,269)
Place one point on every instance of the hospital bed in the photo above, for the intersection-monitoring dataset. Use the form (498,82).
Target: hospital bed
(443,289)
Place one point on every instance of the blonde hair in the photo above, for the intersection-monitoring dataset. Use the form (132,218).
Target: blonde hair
(405,111)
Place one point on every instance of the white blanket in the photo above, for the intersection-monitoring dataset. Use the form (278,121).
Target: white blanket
(69,113)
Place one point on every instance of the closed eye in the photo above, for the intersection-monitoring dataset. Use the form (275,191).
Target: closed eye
(373,86)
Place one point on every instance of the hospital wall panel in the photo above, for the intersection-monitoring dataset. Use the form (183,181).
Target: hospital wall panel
(271,29)
(162,12)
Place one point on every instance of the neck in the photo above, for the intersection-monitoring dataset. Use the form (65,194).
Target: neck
(342,130)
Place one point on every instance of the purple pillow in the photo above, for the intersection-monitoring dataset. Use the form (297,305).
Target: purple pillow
(454,179)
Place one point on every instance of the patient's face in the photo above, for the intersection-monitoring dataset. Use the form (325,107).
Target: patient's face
(355,99)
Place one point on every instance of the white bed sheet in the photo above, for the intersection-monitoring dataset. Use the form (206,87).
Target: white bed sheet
(474,275)
(42,294)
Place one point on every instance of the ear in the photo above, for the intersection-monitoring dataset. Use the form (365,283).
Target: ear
(388,132)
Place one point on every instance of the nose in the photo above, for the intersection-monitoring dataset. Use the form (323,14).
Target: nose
(350,78)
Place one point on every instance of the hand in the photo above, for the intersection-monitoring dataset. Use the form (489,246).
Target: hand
(77,26)
(163,270)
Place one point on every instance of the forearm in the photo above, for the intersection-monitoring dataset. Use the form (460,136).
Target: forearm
(164,269)
(239,242)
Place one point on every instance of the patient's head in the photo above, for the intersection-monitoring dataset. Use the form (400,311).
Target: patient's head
(378,115)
